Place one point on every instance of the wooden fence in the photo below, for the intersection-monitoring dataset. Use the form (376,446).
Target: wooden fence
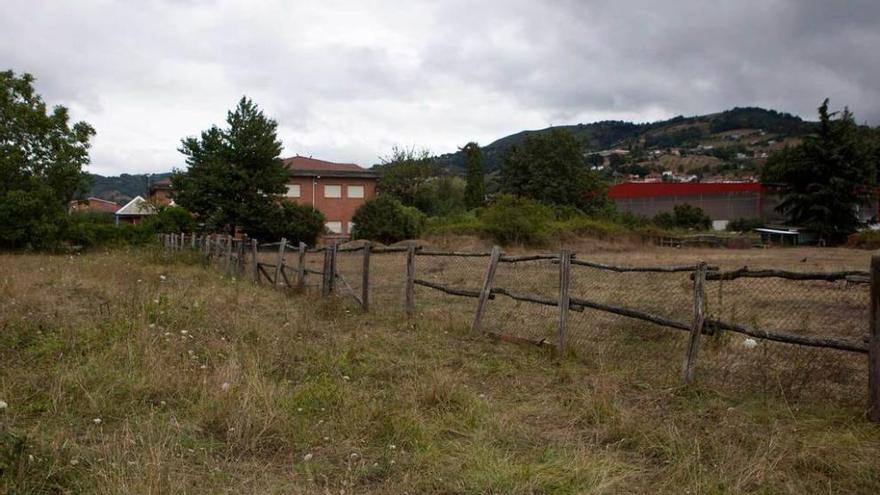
(243,258)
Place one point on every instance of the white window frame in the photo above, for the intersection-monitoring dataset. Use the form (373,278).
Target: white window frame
(290,191)
(363,191)
(337,186)
(350,227)
(331,229)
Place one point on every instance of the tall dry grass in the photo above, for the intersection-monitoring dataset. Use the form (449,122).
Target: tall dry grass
(133,372)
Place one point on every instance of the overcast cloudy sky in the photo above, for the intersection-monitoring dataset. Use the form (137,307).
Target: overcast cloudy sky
(347,80)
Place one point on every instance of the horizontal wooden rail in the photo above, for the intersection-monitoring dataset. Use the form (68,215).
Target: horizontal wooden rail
(463,254)
(791,338)
(745,272)
(529,257)
(455,291)
(627,268)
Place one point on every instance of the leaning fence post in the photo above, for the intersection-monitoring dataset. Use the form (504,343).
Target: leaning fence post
(564,284)
(301,265)
(874,343)
(279,262)
(193,242)
(410,279)
(365,278)
(690,359)
(486,290)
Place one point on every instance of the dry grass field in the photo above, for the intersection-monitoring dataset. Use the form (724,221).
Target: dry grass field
(142,372)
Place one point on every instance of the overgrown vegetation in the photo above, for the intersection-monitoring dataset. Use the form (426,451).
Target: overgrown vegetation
(163,377)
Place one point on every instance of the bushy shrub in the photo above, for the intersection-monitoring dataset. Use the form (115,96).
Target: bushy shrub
(515,220)
(90,230)
(171,219)
(384,219)
(684,216)
(294,222)
(744,224)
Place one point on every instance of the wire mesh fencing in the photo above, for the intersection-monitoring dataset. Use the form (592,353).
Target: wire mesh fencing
(796,335)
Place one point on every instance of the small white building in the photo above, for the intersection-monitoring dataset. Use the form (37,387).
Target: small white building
(135,211)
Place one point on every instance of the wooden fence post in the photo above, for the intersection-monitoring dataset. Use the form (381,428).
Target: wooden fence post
(874,343)
(486,290)
(690,359)
(239,261)
(279,262)
(228,254)
(410,280)
(332,280)
(301,265)
(564,284)
(365,278)
(255,261)
(325,275)
(193,242)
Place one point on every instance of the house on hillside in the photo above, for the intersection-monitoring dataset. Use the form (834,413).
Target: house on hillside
(335,189)
(135,211)
(94,205)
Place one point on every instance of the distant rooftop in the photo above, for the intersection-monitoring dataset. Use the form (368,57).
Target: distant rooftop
(303,165)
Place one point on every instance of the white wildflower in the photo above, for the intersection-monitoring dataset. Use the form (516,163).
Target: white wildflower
(308,457)
(225,386)
(346,377)
(3,405)
(299,409)
(155,301)
(97,421)
(183,332)
(326,439)
(74,462)
(152,325)
(750,343)
(392,446)
(161,277)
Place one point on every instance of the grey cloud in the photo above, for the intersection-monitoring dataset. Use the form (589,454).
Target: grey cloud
(346,80)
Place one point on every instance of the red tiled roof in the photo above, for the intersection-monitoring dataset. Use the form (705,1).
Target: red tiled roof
(297,163)
(654,189)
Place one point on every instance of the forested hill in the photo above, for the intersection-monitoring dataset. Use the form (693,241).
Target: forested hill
(123,187)
(675,132)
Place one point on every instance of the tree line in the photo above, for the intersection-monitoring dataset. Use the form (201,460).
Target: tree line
(234,179)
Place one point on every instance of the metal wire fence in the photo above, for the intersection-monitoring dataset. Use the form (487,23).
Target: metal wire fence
(800,336)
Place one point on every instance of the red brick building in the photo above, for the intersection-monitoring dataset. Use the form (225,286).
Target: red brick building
(160,193)
(93,205)
(335,189)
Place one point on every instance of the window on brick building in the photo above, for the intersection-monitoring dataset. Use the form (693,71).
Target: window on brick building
(355,191)
(332,191)
(334,227)
(293,190)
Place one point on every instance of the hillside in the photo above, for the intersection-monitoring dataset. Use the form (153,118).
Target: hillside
(752,132)
(729,143)
(123,187)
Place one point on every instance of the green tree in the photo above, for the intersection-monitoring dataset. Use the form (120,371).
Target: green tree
(404,174)
(684,216)
(40,164)
(475,192)
(550,168)
(234,174)
(296,223)
(442,195)
(828,177)
(386,220)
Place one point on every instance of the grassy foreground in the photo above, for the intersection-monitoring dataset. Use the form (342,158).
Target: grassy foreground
(132,373)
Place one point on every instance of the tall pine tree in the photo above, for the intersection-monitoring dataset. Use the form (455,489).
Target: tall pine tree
(475,190)
(233,174)
(828,178)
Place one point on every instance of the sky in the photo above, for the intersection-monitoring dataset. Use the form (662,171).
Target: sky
(347,80)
